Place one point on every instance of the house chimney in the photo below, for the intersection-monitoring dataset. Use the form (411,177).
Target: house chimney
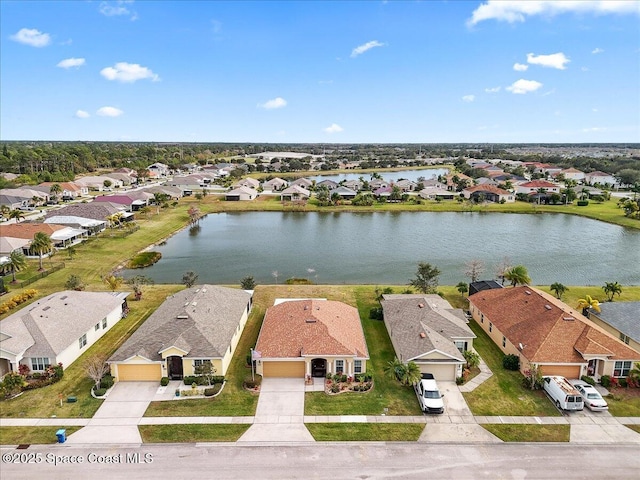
(422,335)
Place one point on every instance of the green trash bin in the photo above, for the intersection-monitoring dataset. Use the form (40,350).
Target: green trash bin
(62,435)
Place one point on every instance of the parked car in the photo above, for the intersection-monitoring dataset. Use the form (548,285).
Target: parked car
(590,396)
(429,394)
(562,393)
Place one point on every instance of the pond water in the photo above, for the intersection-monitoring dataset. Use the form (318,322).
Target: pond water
(386,247)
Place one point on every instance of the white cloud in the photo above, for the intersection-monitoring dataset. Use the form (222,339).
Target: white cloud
(32,37)
(584,69)
(364,47)
(274,103)
(71,62)
(492,90)
(128,73)
(512,11)
(520,67)
(82,114)
(524,86)
(555,60)
(468,98)
(594,129)
(109,112)
(117,9)
(216,26)
(596,51)
(334,128)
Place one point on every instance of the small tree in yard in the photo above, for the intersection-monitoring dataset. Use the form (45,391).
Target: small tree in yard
(533,377)
(559,289)
(96,367)
(405,373)
(11,384)
(207,370)
(74,283)
(190,278)
(113,282)
(426,280)
(137,284)
(473,269)
(472,358)
(462,288)
(248,283)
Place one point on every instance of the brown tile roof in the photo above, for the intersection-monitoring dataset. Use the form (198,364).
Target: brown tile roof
(539,184)
(550,330)
(28,230)
(311,327)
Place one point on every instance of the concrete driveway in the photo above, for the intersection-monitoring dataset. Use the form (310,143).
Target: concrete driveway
(280,413)
(116,421)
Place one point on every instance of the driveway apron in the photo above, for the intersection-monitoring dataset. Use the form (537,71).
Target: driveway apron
(116,421)
(280,413)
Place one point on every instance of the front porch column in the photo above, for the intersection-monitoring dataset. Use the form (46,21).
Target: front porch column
(307,367)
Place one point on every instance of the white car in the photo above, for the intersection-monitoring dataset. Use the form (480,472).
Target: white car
(592,398)
(429,395)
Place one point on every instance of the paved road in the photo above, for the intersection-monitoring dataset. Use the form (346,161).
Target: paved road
(339,461)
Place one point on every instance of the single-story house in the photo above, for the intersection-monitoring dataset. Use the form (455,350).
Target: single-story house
(294,193)
(303,182)
(69,190)
(535,185)
(61,236)
(427,330)
(96,182)
(129,201)
(488,193)
(92,210)
(274,185)
(621,319)
(330,184)
(89,225)
(241,193)
(248,182)
(431,193)
(344,192)
(158,170)
(600,178)
(406,185)
(57,328)
(8,245)
(353,185)
(310,338)
(196,325)
(572,174)
(542,330)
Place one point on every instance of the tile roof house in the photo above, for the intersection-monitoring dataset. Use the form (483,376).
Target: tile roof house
(57,328)
(195,325)
(534,185)
(600,178)
(542,330)
(621,319)
(489,193)
(61,236)
(312,337)
(92,210)
(427,330)
(433,192)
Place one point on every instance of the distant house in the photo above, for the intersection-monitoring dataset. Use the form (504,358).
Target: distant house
(61,236)
(57,328)
(274,185)
(96,182)
(294,193)
(572,174)
(89,225)
(310,338)
(621,319)
(70,190)
(93,210)
(197,325)
(241,194)
(600,178)
(432,193)
(303,182)
(488,193)
(353,185)
(427,330)
(129,201)
(535,185)
(330,184)
(541,330)
(406,185)
(158,169)
(344,192)
(247,182)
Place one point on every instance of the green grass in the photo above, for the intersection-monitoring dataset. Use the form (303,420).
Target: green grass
(623,402)
(529,433)
(191,433)
(144,259)
(629,293)
(365,432)
(635,428)
(386,393)
(45,402)
(31,435)
(503,393)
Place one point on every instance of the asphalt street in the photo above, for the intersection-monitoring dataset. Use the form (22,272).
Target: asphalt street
(321,461)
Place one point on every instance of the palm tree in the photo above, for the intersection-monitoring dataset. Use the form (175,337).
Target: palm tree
(518,275)
(113,282)
(588,302)
(559,289)
(55,190)
(41,245)
(405,373)
(462,288)
(17,214)
(611,289)
(17,261)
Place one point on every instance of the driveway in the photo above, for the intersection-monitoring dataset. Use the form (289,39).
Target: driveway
(280,413)
(116,421)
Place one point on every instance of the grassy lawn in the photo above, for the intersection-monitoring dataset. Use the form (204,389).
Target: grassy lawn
(45,402)
(624,402)
(503,394)
(635,428)
(530,433)
(629,293)
(386,393)
(191,433)
(31,435)
(365,432)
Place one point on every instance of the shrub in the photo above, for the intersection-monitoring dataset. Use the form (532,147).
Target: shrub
(335,388)
(582,203)
(328,376)
(99,392)
(106,381)
(623,382)
(472,358)
(23,369)
(164,381)
(218,379)
(459,380)
(589,380)
(511,362)
(36,375)
(250,382)
(605,381)
(209,392)
(376,313)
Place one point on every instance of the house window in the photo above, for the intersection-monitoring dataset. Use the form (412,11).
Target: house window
(482,318)
(104,323)
(199,363)
(357,366)
(490,327)
(504,342)
(97,326)
(460,345)
(621,368)
(624,338)
(39,363)
(82,341)
(339,366)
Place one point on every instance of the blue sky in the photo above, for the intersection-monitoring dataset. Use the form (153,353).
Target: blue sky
(335,72)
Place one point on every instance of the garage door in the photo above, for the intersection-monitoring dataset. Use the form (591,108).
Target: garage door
(139,373)
(439,371)
(283,369)
(567,371)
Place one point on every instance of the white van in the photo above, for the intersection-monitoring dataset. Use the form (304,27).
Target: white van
(562,393)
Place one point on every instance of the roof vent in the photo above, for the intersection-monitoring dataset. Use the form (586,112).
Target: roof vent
(527,292)
(310,320)
(422,335)
(548,307)
(46,308)
(568,319)
(63,297)
(306,307)
(182,317)
(421,305)
(194,303)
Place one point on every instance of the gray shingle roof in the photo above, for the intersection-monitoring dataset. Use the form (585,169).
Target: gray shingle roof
(200,320)
(624,316)
(96,211)
(418,324)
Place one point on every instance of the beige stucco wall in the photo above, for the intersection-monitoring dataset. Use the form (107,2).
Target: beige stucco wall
(188,368)
(173,351)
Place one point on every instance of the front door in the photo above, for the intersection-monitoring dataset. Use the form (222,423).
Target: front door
(318,367)
(175,367)
(592,369)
